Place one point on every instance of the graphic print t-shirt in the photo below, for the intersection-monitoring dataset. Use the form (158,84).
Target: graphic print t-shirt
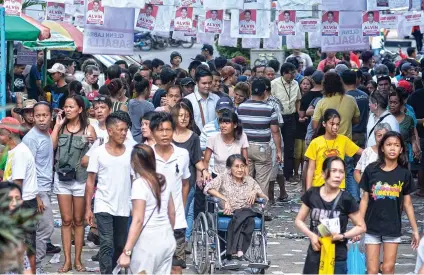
(320,149)
(386,191)
(321,209)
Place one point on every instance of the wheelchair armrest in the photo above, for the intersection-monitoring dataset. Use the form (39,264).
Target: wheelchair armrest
(212,199)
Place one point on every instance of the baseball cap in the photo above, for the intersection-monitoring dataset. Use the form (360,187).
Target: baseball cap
(11,124)
(258,87)
(406,66)
(340,68)
(187,81)
(318,77)
(384,77)
(26,105)
(200,57)
(224,103)
(406,85)
(57,68)
(207,47)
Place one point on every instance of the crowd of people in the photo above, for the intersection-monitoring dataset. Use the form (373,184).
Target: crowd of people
(136,157)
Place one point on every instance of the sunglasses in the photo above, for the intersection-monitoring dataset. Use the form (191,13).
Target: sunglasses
(99,98)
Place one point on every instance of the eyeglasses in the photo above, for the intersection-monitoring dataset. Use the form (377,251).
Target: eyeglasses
(99,98)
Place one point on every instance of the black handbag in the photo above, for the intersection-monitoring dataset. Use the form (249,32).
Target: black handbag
(67,173)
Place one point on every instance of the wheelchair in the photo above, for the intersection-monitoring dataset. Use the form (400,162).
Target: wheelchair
(209,233)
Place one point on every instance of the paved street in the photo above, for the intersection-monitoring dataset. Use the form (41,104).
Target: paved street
(286,247)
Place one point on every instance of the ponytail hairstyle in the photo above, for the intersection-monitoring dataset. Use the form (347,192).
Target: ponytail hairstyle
(114,86)
(402,159)
(328,115)
(141,86)
(144,164)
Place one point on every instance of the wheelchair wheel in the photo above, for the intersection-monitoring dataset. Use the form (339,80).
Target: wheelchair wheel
(256,254)
(200,244)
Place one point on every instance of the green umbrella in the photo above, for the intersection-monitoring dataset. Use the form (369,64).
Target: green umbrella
(55,42)
(17,29)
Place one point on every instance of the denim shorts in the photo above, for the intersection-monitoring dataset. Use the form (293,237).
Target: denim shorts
(376,239)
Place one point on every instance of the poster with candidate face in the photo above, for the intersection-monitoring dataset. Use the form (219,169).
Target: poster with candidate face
(183,19)
(95,14)
(371,23)
(13,7)
(330,23)
(147,17)
(188,3)
(247,19)
(287,22)
(214,21)
(55,11)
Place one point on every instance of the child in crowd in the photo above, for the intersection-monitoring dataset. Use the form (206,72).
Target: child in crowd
(387,185)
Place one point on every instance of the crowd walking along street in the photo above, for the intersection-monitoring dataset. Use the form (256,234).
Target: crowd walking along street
(202,137)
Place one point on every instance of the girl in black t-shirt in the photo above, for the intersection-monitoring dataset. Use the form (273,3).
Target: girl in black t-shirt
(387,186)
(319,201)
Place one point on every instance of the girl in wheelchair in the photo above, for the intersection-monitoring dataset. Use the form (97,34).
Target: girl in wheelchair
(237,193)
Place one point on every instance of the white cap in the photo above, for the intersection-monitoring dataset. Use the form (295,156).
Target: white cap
(57,68)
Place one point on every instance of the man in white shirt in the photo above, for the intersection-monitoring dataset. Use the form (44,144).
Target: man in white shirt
(95,16)
(20,169)
(183,23)
(286,26)
(330,26)
(40,144)
(203,100)
(173,163)
(247,26)
(111,164)
(213,24)
(145,19)
(304,56)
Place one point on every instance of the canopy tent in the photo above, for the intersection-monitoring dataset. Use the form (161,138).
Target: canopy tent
(17,29)
(67,30)
(44,31)
(55,42)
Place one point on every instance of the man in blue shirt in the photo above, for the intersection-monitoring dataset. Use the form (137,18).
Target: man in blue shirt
(34,88)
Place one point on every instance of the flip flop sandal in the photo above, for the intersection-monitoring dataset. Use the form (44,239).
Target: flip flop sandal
(63,269)
(80,268)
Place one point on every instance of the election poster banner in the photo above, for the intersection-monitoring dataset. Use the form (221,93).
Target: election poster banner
(147,17)
(287,22)
(214,21)
(95,13)
(314,40)
(223,5)
(188,3)
(371,23)
(225,38)
(274,41)
(55,11)
(164,17)
(251,43)
(309,25)
(193,31)
(137,4)
(13,7)
(330,23)
(257,4)
(389,21)
(115,37)
(183,19)
(250,23)
(296,41)
(411,19)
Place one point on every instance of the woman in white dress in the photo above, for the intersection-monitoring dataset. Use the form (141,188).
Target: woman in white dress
(150,243)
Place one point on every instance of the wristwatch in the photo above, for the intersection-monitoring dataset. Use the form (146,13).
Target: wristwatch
(128,252)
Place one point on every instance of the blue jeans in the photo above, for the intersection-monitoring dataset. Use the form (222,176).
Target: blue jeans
(351,185)
(189,210)
(340,267)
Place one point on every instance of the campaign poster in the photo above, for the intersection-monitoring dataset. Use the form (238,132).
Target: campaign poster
(247,19)
(251,43)
(147,17)
(371,23)
(274,41)
(389,21)
(13,7)
(95,13)
(413,19)
(222,5)
(214,22)
(226,39)
(330,23)
(193,31)
(55,11)
(287,22)
(296,41)
(183,19)
(309,25)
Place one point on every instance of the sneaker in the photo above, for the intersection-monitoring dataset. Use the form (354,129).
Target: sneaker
(52,249)
(188,247)
(267,217)
(40,270)
(95,258)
